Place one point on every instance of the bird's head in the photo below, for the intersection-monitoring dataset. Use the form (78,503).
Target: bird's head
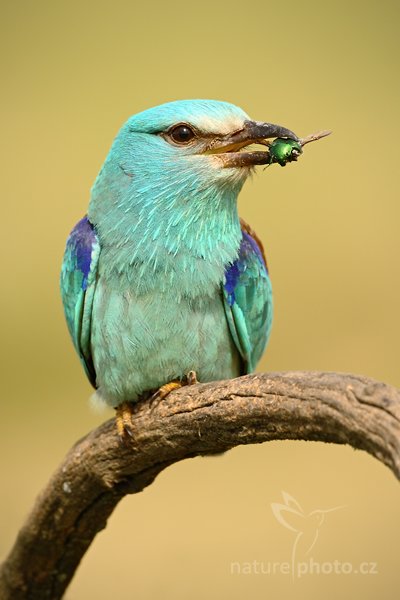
(179,166)
(207,139)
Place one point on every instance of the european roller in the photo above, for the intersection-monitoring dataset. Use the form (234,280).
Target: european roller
(162,283)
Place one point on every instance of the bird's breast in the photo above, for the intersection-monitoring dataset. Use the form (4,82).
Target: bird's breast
(185,274)
(144,336)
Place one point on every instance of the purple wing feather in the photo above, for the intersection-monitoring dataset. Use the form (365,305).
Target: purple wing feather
(78,281)
(248,300)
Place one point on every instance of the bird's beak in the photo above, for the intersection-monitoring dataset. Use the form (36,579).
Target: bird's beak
(230,148)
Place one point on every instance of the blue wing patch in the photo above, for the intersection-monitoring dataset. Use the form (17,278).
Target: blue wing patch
(78,282)
(248,301)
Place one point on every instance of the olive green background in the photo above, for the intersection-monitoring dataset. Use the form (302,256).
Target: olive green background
(72,72)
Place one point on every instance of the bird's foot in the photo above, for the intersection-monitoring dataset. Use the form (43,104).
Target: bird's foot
(164,390)
(124,413)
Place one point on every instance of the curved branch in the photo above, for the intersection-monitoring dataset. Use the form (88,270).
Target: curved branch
(203,419)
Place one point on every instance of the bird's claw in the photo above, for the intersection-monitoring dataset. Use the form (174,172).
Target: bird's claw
(124,420)
(124,412)
(191,378)
(165,390)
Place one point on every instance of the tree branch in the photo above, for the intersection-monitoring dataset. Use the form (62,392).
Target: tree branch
(203,419)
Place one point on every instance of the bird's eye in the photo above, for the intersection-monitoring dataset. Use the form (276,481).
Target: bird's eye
(181,134)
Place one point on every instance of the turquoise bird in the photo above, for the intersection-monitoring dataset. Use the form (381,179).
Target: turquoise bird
(161,282)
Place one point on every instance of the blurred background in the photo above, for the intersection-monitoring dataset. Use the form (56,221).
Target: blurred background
(72,73)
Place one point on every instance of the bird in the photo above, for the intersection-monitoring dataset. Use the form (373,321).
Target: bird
(162,283)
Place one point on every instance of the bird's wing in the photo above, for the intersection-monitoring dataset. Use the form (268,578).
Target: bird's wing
(248,299)
(78,281)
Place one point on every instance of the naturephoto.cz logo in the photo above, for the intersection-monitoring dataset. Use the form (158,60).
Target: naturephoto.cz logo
(306,528)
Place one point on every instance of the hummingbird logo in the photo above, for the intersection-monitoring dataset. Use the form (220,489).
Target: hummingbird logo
(306,526)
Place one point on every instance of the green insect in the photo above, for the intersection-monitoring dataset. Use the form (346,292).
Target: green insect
(285,150)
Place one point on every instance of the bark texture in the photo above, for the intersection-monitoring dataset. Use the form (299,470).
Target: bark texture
(198,420)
